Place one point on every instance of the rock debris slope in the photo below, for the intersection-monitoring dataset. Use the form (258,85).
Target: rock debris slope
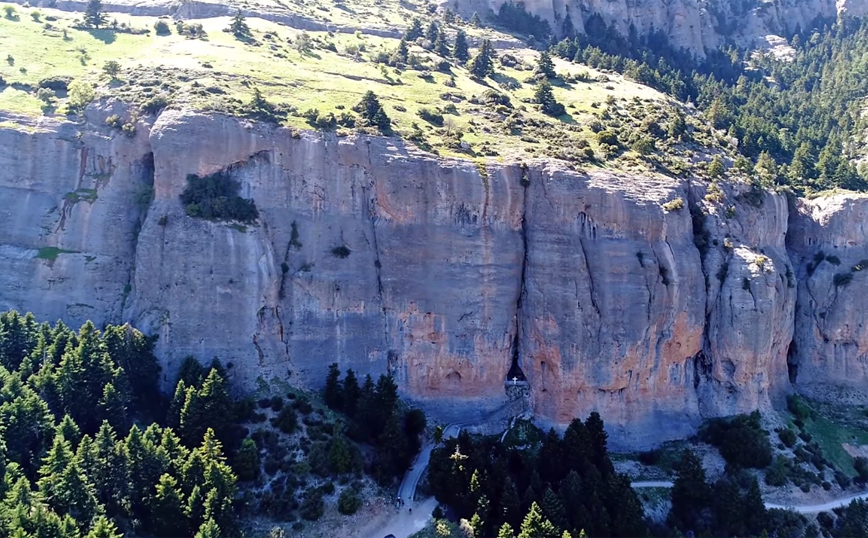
(449,274)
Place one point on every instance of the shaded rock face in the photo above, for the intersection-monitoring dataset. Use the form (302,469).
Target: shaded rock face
(447,274)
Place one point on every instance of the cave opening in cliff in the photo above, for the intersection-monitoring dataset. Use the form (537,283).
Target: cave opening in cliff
(515,373)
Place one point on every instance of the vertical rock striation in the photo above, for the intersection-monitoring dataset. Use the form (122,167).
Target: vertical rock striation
(829,244)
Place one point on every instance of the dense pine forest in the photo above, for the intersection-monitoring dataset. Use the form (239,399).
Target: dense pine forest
(89,448)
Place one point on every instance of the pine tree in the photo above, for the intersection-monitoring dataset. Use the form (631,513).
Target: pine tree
(206,408)
(239,27)
(599,444)
(340,457)
(767,168)
(716,167)
(55,462)
(351,393)
(510,503)
(567,28)
(755,513)
(87,456)
(104,528)
(247,461)
(28,424)
(81,377)
(535,526)
(545,67)
(113,407)
(167,510)
(132,351)
(505,531)
(393,455)
(75,495)
(544,95)
(461,50)
(553,510)
(415,31)
(173,417)
(577,446)
(94,16)
(69,430)
(209,529)
(332,393)
(403,51)
(371,110)
(195,508)
(110,473)
(18,336)
(475,21)
(690,494)
(432,31)
(482,64)
(441,45)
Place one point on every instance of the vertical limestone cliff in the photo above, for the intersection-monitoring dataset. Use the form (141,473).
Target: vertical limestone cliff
(829,245)
(446,273)
(695,25)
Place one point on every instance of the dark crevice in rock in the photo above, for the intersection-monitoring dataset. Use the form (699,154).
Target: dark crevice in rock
(392,355)
(515,371)
(792,362)
(144,204)
(702,362)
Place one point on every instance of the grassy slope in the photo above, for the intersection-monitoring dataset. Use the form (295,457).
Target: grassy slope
(220,72)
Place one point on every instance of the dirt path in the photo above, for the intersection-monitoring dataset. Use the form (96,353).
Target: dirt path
(406,522)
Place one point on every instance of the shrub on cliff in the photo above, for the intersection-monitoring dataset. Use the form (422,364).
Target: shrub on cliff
(215,197)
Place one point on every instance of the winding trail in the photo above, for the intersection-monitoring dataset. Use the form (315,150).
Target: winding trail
(802,509)
(406,522)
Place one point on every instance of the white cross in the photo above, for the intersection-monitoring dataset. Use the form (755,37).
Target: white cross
(514,380)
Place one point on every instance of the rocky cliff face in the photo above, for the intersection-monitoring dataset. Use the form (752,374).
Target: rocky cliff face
(692,24)
(448,274)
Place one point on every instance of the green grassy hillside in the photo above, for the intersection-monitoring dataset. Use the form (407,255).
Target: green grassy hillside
(432,100)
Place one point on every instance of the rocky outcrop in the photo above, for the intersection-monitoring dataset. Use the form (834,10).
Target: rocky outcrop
(600,289)
(829,244)
(696,25)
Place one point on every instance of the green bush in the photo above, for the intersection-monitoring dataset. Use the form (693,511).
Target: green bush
(741,440)
(674,205)
(349,502)
(247,461)
(155,104)
(312,506)
(162,28)
(608,137)
(788,437)
(431,116)
(215,197)
(776,474)
(798,407)
(286,421)
(56,83)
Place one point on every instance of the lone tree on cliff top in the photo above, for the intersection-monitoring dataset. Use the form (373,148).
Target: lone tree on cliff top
(94,16)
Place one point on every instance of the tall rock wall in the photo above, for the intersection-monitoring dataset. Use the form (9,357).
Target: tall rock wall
(448,274)
(692,24)
(829,357)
